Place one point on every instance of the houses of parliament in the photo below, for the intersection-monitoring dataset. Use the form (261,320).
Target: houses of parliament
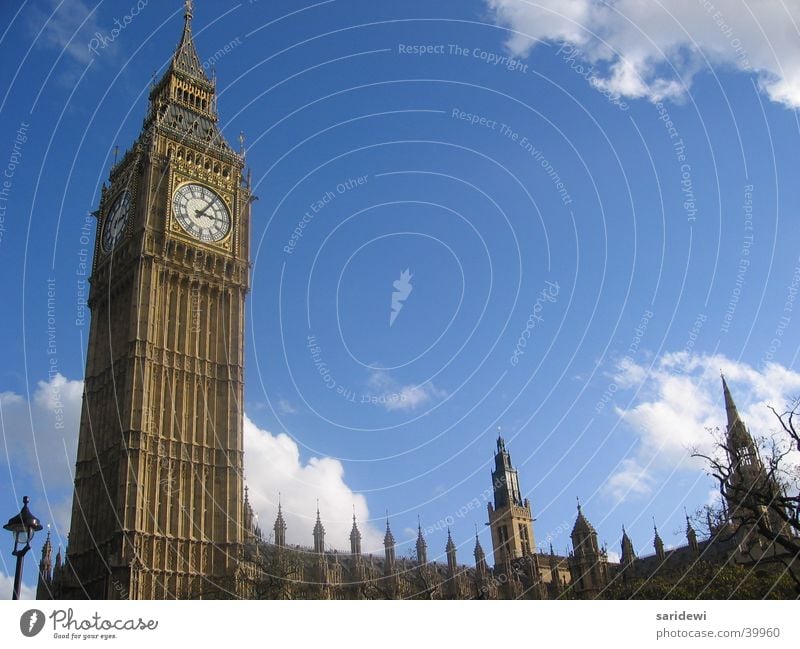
(160,510)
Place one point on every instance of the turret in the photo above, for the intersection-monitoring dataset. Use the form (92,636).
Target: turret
(450,549)
(422,546)
(555,578)
(481,569)
(355,539)
(44,586)
(588,565)
(280,527)
(319,535)
(691,537)
(388,548)
(628,555)
(658,543)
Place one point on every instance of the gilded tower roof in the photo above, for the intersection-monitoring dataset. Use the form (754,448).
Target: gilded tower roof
(185,59)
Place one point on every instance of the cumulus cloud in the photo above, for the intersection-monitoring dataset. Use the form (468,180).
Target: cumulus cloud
(42,434)
(653,50)
(65,27)
(273,465)
(394,396)
(7,587)
(679,399)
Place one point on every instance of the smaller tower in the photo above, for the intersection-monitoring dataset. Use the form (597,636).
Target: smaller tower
(355,539)
(388,548)
(481,569)
(510,517)
(658,543)
(280,527)
(588,565)
(422,546)
(319,535)
(628,556)
(691,536)
(44,588)
(450,549)
(555,578)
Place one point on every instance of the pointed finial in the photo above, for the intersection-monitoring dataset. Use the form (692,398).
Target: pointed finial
(655,528)
(578,498)
(188,7)
(241,143)
(116,152)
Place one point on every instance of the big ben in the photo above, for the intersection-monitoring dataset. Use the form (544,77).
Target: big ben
(158,504)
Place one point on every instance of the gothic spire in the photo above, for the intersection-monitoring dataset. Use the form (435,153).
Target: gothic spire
(388,547)
(658,543)
(185,59)
(730,406)
(280,526)
(691,535)
(319,534)
(450,548)
(480,555)
(422,546)
(355,537)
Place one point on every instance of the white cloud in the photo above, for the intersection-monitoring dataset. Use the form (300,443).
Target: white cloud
(66,27)
(7,587)
(42,436)
(46,460)
(654,49)
(630,479)
(679,399)
(285,407)
(393,395)
(272,465)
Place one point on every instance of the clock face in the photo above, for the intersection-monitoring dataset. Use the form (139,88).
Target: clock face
(201,212)
(116,218)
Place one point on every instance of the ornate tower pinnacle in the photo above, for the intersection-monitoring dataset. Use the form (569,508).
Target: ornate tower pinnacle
(658,543)
(510,517)
(280,526)
(422,546)
(355,537)
(44,586)
(480,557)
(388,547)
(319,534)
(691,535)
(588,564)
(450,549)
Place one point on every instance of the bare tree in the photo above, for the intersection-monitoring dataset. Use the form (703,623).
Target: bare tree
(758,486)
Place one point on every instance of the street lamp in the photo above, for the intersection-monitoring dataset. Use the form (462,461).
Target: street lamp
(23,526)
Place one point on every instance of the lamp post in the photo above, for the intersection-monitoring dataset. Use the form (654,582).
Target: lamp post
(23,526)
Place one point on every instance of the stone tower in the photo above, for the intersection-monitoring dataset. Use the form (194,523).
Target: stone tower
(44,586)
(355,539)
(588,563)
(158,504)
(510,517)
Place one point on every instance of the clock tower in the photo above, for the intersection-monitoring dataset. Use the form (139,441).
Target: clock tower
(158,504)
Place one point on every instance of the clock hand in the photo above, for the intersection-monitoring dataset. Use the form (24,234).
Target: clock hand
(199,213)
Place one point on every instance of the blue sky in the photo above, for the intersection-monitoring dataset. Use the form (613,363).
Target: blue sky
(596,211)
